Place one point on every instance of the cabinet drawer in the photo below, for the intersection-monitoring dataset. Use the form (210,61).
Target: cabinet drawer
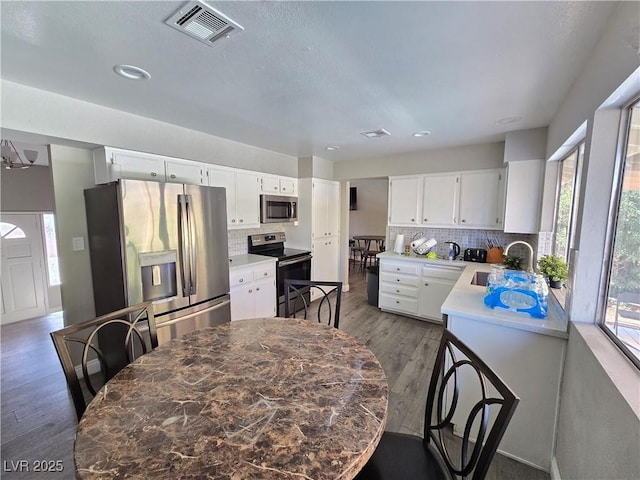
(241,277)
(267,271)
(400,267)
(404,290)
(399,279)
(403,304)
(441,271)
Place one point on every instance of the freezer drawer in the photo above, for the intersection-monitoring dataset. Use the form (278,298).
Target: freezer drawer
(208,314)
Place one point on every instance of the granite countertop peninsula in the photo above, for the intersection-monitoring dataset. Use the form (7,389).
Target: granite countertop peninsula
(253,399)
(467,300)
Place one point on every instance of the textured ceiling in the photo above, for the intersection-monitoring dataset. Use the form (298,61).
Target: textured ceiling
(306,75)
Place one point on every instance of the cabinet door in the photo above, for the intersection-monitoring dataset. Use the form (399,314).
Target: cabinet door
(137,166)
(523,192)
(264,296)
(288,186)
(432,295)
(440,199)
(184,172)
(320,211)
(269,184)
(226,179)
(403,200)
(333,209)
(481,199)
(242,302)
(325,261)
(247,199)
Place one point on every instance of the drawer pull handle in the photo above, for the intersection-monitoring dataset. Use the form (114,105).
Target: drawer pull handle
(257,289)
(397,291)
(426,284)
(398,269)
(397,279)
(154,174)
(397,301)
(266,273)
(241,280)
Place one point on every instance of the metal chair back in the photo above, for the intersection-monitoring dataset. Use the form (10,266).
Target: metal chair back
(328,306)
(92,352)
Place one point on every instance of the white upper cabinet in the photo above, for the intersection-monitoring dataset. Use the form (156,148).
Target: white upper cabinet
(472,199)
(326,208)
(482,199)
(523,197)
(404,194)
(242,186)
(440,195)
(185,172)
(278,185)
(111,164)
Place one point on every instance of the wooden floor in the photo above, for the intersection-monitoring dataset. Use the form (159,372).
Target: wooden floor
(38,418)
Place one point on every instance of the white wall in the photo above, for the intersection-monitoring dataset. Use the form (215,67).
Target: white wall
(469,157)
(371,216)
(27,109)
(72,170)
(29,190)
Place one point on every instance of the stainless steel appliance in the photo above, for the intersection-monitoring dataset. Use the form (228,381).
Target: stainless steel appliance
(278,209)
(475,255)
(292,263)
(163,242)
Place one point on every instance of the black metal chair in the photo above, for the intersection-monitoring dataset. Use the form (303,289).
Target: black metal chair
(296,298)
(95,350)
(438,454)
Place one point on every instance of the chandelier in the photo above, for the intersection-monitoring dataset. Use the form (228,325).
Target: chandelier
(12,159)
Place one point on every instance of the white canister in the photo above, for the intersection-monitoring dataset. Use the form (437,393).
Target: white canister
(398,246)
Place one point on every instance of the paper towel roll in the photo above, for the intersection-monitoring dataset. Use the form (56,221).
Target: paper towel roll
(399,245)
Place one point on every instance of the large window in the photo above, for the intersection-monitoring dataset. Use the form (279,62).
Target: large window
(566,199)
(621,315)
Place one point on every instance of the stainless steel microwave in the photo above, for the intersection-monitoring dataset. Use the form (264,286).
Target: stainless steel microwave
(278,209)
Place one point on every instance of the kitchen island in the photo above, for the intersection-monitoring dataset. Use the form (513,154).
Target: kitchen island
(526,352)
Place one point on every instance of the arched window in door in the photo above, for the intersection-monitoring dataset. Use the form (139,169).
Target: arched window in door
(10,231)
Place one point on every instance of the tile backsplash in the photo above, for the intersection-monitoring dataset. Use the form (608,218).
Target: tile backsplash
(465,238)
(238,239)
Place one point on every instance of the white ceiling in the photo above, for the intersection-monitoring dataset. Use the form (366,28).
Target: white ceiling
(306,75)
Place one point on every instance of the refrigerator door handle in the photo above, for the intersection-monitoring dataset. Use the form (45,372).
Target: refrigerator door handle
(193,260)
(184,244)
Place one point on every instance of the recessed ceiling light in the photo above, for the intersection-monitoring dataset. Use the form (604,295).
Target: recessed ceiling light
(332,148)
(131,72)
(508,120)
(376,133)
(421,133)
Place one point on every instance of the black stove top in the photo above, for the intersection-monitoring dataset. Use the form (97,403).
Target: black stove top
(272,245)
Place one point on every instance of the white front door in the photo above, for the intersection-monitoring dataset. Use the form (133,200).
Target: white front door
(23,275)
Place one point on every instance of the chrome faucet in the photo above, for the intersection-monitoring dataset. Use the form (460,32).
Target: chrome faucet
(506,251)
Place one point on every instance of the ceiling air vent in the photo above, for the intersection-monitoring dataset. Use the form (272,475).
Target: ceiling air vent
(202,22)
(376,133)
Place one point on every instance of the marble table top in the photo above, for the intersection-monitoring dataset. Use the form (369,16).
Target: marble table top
(265,398)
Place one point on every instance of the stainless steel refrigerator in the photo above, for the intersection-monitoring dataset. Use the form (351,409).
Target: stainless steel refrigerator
(163,242)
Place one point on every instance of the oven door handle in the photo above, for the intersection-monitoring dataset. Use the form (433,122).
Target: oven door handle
(293,261)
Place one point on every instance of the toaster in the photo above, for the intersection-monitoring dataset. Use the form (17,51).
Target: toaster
(475,255)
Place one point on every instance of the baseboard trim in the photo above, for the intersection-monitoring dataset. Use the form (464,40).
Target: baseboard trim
(555,471)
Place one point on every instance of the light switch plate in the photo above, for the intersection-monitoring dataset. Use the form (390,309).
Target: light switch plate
(77,244)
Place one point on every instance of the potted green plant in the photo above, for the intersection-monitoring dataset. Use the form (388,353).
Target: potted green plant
(512,262)
(554,268)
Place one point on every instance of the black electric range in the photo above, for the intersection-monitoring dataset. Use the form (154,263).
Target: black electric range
(292,262)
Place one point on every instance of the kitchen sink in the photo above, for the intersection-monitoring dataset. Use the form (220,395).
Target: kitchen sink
(480,278)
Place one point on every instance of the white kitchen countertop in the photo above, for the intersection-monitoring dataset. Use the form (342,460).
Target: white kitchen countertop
(248,259)
(466,300)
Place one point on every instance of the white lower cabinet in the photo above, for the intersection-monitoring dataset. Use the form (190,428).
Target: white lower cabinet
(253,291)
(398,287)
(415,288)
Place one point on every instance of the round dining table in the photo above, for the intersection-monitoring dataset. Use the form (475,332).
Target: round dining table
(276,398)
